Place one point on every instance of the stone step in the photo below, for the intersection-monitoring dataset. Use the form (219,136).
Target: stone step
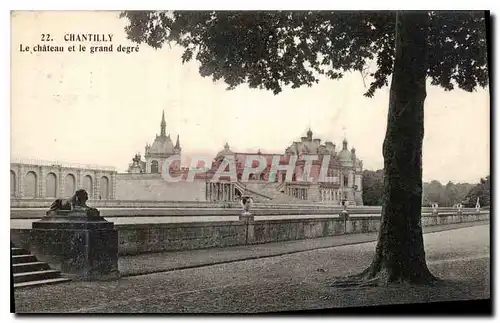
(20,259)
(36,275)
(29,267)
(28,271)
(18,251)
(35,283)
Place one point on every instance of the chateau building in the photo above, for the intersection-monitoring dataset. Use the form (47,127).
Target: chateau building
(345,169)
(318,174)
(342,181)
(156,153)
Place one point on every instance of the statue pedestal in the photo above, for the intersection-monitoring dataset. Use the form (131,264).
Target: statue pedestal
(248,221)
(344,215)
(246,217)
(79,243)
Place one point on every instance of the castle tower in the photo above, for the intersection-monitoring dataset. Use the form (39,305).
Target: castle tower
(161,149)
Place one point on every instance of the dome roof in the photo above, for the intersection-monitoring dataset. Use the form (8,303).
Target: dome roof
(345,158)
(162,145)
(225,152)
(344,155)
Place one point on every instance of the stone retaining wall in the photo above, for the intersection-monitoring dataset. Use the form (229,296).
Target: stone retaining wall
(147,238)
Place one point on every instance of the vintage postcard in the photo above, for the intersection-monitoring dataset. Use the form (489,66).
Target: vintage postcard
(250,162)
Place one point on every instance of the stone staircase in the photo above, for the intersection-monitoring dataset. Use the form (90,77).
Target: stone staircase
(28,271)
(272,191)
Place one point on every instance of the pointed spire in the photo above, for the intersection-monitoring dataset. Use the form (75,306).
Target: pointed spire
(163,124)
(177,144)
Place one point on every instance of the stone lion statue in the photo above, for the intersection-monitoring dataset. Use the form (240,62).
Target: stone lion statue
(77,201)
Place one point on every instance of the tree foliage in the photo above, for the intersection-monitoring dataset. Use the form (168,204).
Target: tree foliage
(373,187)
(274,49)
(433,192)
(445,195)
(481,190)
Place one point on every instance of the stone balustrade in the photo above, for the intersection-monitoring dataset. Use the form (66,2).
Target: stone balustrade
(219,209)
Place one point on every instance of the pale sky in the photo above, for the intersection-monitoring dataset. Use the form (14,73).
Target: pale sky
(102,108)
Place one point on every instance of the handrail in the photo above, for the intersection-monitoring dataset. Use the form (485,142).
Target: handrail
(246,189)
(280,186)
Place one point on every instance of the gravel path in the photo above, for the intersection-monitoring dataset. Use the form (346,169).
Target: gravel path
(281,283)
(166,261)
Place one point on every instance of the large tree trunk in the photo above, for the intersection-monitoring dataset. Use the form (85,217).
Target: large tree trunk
(400,254)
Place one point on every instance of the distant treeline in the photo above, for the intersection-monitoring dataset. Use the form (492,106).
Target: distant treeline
(433,192)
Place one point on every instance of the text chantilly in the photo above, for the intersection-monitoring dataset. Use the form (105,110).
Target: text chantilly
(88,37)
